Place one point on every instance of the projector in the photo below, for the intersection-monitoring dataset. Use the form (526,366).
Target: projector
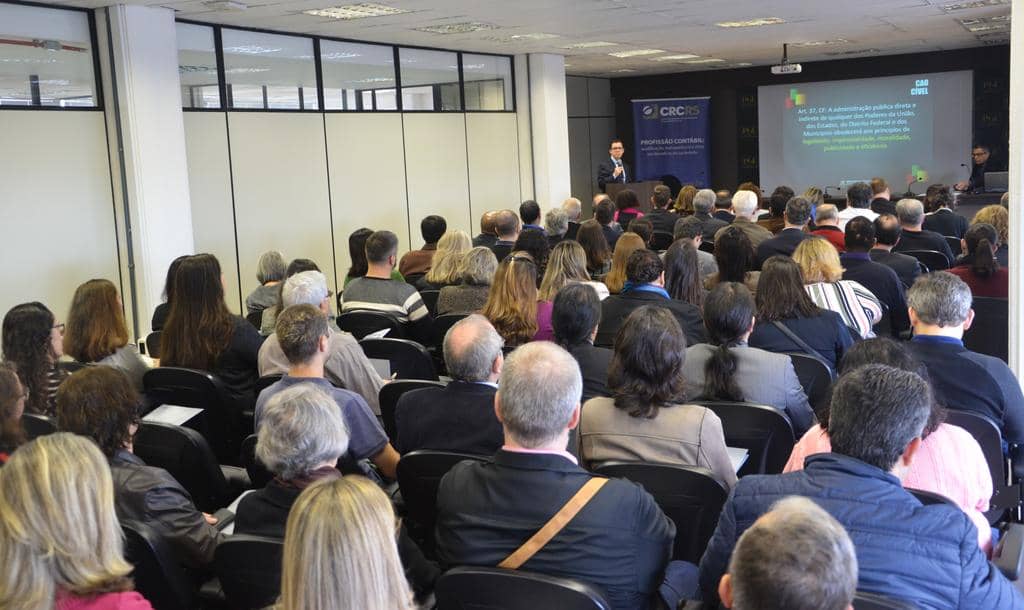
(787,69)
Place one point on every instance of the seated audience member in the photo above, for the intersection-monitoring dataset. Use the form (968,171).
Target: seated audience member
(999,217)
(12,406)
(487,236)
(877,415)
(357,253)
(512,305)
(418,262)
(269,273)
(59,536)
(887,235)
(879,279)
(689,227)
(627,207)
(620,541)
(647,419)
(445,264)
(826,224)
(723,205)
(100,403)
(161,311)
(682,274)
(736,260)
(202,334)
(858,203)
(604,214)
(556,225)
(534,243)
(573,208)
(756,190)
(575,318)
(943,220)
(347,365)
(1004,201)
(930,205)
(683,205)
(795,556)
(662,220)
(645,285)
(567,264)
(940,311)
(529,213)
(96,332)
(979,267)
(913,237)
(703,206)
(643,228)
(376,291)
(340,550)
(460,416)
(599,255)
(793,231)
(819,264)
(783,305)
(33,342)
(507,228)
(816,197)
(775,219)
(303,336)
(269,320)
(744,207)
(727,368)
(880,197)
(626,245)
(475,272)
(949,462)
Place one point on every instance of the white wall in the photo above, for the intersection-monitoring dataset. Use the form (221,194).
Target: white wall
(493,151)
(437,170)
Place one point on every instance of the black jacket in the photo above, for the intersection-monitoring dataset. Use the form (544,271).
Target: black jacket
(883,282)
(709,225)
(606,168)
(617,307)
(784,243)
(906,267)
(485,239)
(946,222)
(594,363)
(881,205)
(924,240)
(458,417)
(662,220)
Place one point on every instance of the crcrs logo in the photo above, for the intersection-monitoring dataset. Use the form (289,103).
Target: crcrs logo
(655,111)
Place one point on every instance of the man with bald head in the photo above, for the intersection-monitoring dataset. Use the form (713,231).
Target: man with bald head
(744,208)
(460,416)
(487,235)
(507,228)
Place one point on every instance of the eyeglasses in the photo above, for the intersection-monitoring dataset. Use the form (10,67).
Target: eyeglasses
(978,154)
(60,327)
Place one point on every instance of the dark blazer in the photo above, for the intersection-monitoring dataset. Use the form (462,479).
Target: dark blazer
(620,542)
(724,215)
(881,205)
(825,332)
(574,228)
(784,243)
(617,307)
(924,240)
(611,234)
(906,267)
(662,220)
(501,249)
(594,363)
(709,225)
(485,240)
(458,417)
(946,222)
(883,282)
(606,168)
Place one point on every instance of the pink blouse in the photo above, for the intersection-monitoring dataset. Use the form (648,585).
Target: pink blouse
(949,463)
(544,330)
(128,600)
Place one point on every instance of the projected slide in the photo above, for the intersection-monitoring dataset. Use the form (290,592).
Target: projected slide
(913,129)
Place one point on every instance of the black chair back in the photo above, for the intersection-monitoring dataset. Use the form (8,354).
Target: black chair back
(409,360)
(990,332)
(362,323)
(389,395)
(258,473)
(661,240)
(419,476)
(933,260)
(873,601)
(222,426)
(153,344)
(185,454)
(37,425)
(986,432)
(883,328)
(815,376)
(470,588)
(430,299)
(954,245)
(763,431)
(71,366)
(707,246)
(255,318)
(158,576)
(441,325)
(265,382)
(249,570)
(929,498)
(688,495)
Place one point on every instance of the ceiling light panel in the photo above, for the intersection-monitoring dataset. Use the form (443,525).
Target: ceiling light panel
(707,60)
(591,45)
(820,43)
(961,6)
(635,53)
(457,28)
(751,23)
(363,10)
(680,57)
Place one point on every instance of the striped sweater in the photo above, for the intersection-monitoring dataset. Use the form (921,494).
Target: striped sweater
(859,308)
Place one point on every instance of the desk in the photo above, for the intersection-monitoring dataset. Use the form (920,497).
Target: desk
(968,204)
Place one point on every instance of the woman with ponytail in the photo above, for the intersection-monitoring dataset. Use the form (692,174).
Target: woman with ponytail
(979,267)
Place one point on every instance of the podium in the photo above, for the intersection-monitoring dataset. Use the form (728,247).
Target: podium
(644,191)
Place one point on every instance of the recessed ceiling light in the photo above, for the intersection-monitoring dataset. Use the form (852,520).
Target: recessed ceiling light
(959,6)
(537,36)
(591,45)
(225,5)
(623,70)
(988,27)
(457,28)
(995,34)
(362,10)
(853,52)
(708,60)
(635,53)
(675,57)
(752,23)
(820,43)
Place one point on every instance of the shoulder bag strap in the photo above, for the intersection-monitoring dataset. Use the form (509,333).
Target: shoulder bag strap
(800,342)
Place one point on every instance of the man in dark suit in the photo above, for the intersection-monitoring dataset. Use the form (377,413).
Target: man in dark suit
(645,275)
(943,220)
(703,204)
(487,236)
(881,197)
(796,216)
(914,237)
(460,416)
(661,219)
(604,214)
(887,235)
(507,227)
(979,165)
(620,540)
(613,170)
(876,277)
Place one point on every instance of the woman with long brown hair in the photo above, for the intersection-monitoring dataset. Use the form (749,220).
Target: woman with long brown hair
(627,244)
(512,301)
(682,273)
(567,263)
(33,341)
(599,255)
(96,331)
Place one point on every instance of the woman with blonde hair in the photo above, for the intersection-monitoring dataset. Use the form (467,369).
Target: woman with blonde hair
(59,537)
(96,331)
(822,273)
(340,550)
(567,263)
(444,271)
(512,301)
(627,244)
(684,201)
(475,273)
(998,217)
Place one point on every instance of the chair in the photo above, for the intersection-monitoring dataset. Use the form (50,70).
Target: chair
(158,576)
(71,366)
(259,476)
(873,601)
(929,498)
(934,261)
(690,496)
(249,569)
(389,395)
(153,344)
(37,425)
(1005,495)
(470,588)
(419,475)
(763,431)
(184,453)
(362,323)
(707,246)
(661,240)
(430,299)
(255,318)
(815,376)
(990,331)
(265,382)
(409,360)
(441,325)
(954,245)
(222,425)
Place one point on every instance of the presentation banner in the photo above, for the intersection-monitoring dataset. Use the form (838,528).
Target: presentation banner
(671,138)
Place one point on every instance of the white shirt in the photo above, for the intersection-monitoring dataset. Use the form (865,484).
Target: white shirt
(850,213)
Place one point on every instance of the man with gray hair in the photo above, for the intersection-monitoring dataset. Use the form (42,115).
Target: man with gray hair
(744,208)
(797,557)
(619,541)
(940,312)
(913,236)
(691,227)
(460,416)
(556,224)
(826,223)
(346,366)
(269,272)
(703,208)
(573,209)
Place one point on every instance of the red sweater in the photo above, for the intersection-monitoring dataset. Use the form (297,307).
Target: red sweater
(996,286)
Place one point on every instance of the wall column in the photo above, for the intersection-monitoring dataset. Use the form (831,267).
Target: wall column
(546,114)
(1016,185)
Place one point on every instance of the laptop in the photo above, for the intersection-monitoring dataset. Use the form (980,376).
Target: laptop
(997,182)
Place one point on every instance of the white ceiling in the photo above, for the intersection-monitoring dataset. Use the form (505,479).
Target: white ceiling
(867,27)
